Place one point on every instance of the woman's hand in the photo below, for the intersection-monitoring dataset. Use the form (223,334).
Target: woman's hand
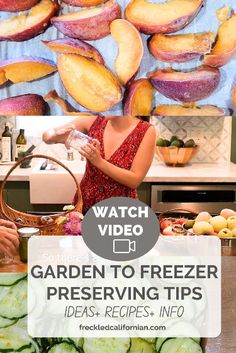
(9,239)
(91,151)
(58,135)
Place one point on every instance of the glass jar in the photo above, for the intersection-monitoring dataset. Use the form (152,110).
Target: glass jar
(77,139)
(25,234)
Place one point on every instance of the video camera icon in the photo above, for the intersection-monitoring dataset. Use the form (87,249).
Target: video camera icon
(123,246)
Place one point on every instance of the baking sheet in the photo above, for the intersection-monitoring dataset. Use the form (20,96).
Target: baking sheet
(205,21)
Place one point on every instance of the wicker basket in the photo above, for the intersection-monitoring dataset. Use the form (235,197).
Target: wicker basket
(22,219)
(176,210)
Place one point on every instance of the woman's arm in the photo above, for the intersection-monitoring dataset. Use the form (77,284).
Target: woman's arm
(141,164)
(60,134)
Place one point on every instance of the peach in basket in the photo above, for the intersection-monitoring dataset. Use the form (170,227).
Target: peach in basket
(175,152)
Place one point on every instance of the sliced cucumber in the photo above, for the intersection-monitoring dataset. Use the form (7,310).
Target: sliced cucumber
(13,305)
(63,347)
(14,339)
(9,279)
(149,339)
(78,342)
(181,345)
(138,345)
(159,343)
(106,345)
(4,323)
(196,339)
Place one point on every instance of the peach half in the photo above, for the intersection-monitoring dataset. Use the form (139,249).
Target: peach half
(225,47)
(138,98)
(83,3)
(88,24)
(167,17)
(26,26)
(180,47)
(91,84)
(178,110)
(130,51)
(17,5)
(74,46)
(27,104)
(186,86)
(25,68)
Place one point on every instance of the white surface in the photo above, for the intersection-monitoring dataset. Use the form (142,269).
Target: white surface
(195,172)
(205,21)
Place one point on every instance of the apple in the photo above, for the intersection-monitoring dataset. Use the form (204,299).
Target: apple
(233,232)
(181,221)
(25,69)
(203,228)
(17,5)
(218,223)
(165,223)
(225,233)
(26,26)
(88,24)
(231,221)
(130,50)
(227,212)
(203,216)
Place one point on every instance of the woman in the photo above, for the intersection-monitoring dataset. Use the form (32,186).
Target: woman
(9,240)
(118,158)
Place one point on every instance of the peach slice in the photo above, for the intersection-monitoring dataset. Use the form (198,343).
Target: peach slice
(234,96)
(27,104)
(83,3)
(27,26)
(88,24)
(26,68)
(186,86)
(180,47)
(138,98)
(225,47)
(91,84)
(178,110)
(17,5)
(130,52)
(66,107)
(74,46)
(167,17)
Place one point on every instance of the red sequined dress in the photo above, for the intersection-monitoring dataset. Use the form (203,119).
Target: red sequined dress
(97,186)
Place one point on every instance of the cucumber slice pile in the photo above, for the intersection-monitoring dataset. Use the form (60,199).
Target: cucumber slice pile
(14,337)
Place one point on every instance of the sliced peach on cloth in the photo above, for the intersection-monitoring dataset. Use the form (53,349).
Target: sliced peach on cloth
(26,26)
(130,51)
(186,86)
(225,47)
(66,107)
(180,47)
(83,3)
(74,46)
(91,84)
(17,5)
(166,17)
(26,68)
(138,98)
(26,104)
(234,96)
(88,24)
(178,110)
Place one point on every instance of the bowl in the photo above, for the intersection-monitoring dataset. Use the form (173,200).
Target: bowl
(176,156)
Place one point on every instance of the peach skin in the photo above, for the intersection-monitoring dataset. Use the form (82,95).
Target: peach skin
(26,104)
(138,98)
(83,3)
(17,5)
(26,26)
(167,17)
(88,24)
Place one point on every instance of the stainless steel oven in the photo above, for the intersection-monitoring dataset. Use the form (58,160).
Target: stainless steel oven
(197,197)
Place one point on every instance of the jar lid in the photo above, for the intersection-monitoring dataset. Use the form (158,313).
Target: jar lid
(28,232)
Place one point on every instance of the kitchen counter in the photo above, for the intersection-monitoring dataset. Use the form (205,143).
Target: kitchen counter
(195,172)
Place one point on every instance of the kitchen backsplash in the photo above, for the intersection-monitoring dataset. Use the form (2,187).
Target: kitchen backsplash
(213,134)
